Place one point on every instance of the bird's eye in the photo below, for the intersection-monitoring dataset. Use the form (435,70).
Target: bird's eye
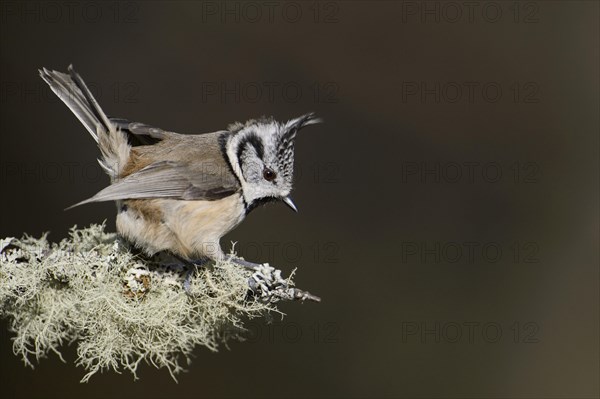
(269,175)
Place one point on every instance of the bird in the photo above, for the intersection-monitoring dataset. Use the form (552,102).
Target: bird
(180,193)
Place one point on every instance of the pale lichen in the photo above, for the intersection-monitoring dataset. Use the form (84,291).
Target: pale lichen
(118,308)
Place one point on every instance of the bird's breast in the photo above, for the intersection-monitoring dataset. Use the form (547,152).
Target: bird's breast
(199,225)
(190,229)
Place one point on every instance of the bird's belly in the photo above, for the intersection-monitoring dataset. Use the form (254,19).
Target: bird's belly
(191,229)
(199,225)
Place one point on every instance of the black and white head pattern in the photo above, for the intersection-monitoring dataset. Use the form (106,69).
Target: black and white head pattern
(261,154)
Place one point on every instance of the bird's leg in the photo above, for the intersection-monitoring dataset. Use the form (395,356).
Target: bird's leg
(192,267)
(243,263)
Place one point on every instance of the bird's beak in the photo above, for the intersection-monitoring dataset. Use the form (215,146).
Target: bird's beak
(288,201)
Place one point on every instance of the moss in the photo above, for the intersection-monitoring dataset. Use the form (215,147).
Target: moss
(120,309)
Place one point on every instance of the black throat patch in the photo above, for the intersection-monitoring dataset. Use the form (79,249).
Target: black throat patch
(257,202)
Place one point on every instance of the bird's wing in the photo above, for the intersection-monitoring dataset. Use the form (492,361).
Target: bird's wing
(168,179)
(140,133)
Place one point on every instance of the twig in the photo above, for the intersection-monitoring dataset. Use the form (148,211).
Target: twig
(267,284)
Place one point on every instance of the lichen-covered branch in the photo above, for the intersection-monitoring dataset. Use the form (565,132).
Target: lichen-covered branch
(267,284)
(122,309)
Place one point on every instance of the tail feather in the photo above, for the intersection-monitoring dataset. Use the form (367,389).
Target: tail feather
(67,90)
(72,90)
(95,107)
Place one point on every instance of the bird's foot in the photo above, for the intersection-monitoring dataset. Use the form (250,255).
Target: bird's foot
(191,267)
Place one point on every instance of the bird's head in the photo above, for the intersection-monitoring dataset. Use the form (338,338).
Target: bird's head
(261,154)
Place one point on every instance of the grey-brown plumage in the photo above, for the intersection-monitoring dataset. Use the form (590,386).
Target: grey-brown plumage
(181,193)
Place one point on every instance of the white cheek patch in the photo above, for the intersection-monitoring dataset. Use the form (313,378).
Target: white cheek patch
(248,165)
(252,166)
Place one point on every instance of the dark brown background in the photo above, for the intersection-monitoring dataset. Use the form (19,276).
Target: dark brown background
(362,210)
